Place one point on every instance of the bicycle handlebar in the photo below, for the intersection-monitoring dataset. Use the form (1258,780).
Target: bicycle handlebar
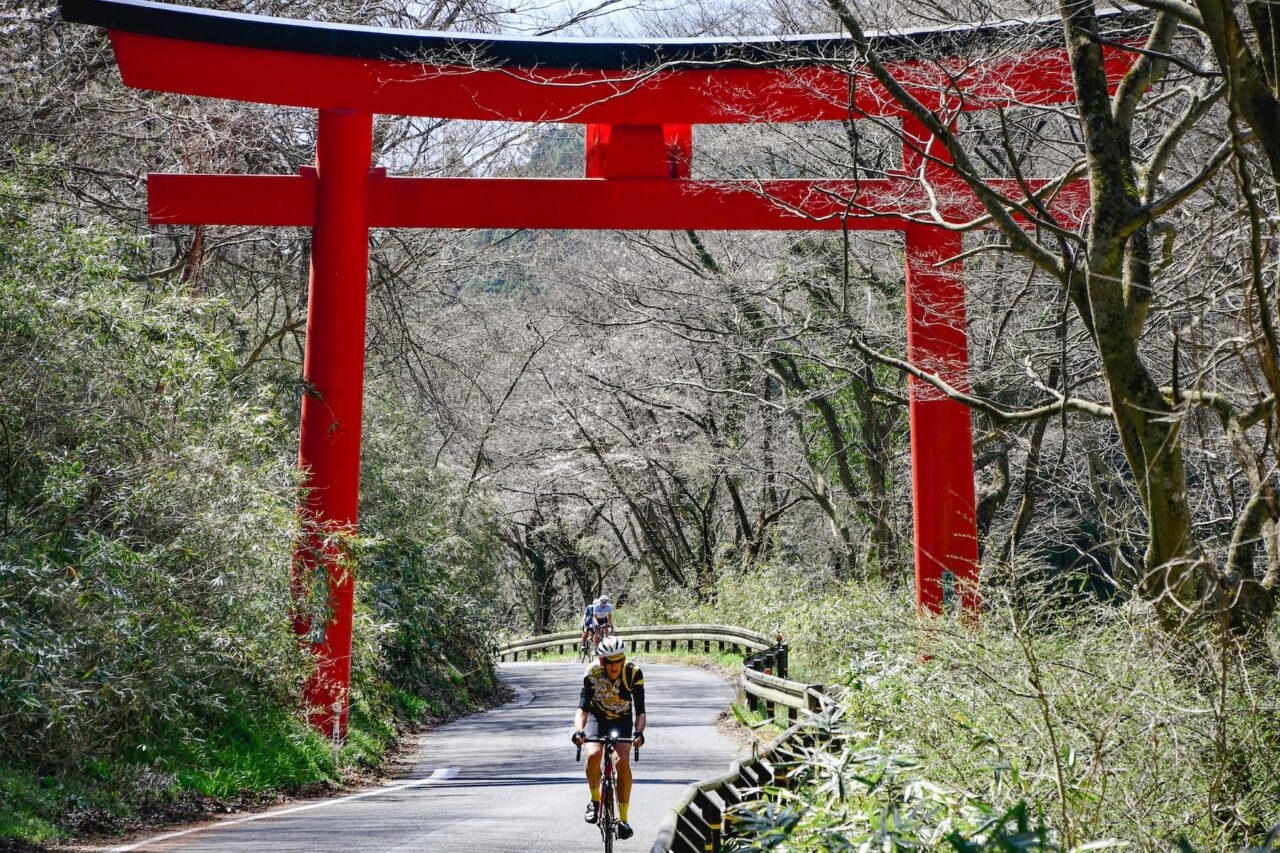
(611,741)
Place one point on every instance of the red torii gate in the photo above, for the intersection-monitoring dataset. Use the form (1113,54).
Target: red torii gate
(639,101)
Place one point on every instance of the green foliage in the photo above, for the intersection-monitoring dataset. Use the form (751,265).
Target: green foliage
(147,517)
(27,809)
(859,795)
(262,751)
(147,530)
(426,577)
(250,749)
(1095,721)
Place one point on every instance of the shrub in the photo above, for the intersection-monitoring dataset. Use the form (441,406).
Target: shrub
(1093,721)
(147,515)
(147,530)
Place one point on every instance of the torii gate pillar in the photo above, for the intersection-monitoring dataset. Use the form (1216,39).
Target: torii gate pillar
(332,400)
(942,490)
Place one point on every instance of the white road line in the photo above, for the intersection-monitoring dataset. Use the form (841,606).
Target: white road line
(442,774)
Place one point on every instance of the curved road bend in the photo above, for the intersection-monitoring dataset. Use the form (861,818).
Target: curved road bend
(503,780)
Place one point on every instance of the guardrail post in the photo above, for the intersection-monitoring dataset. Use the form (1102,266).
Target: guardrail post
(771,666)
(784,654)
(779,775)
(711,815)
(767,774)
(680,842)
(694,830)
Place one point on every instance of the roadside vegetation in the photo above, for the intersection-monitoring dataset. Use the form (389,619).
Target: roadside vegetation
(146,653)
(1053,723)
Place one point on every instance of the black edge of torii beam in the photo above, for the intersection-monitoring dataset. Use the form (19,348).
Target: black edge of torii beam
(168,20)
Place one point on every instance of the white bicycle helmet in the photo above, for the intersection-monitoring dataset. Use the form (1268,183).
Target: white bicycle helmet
(611,647)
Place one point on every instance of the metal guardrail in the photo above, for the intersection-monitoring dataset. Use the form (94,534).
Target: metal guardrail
(775,690)
(697,824)
(653,638)
(699,821)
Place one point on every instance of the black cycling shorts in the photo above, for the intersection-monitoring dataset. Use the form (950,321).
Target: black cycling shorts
(597,727)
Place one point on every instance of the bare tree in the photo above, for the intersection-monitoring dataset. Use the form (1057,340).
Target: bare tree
(1153,149)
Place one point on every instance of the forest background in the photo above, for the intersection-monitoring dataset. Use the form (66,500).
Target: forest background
(705,426)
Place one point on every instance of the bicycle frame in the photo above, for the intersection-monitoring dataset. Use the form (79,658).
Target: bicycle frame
(608,815)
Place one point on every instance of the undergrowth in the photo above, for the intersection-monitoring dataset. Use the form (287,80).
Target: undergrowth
(1040,726)
(147,537)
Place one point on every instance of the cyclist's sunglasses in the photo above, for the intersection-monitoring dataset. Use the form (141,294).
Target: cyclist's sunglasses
(615,659)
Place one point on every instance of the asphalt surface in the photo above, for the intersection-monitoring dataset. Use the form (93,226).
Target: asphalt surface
(502,780)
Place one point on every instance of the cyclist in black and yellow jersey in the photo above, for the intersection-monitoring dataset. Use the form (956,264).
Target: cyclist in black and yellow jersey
(612,701)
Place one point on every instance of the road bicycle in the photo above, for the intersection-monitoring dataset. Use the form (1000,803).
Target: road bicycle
(607,816)
(591,641)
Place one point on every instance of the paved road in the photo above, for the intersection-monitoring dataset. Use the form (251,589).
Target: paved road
(503,780)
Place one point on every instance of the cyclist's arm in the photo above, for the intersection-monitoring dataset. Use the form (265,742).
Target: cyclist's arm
(584,702)
(637,702)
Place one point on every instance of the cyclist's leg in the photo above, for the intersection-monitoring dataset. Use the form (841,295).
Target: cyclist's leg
(621,762)
(592,814)
(594,751)
(622,766)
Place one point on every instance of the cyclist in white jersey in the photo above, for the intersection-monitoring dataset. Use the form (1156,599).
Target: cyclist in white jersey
(604,614)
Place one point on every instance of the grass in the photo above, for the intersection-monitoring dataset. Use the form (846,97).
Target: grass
(250,754)
(763,727)
(26,805)
(268,751)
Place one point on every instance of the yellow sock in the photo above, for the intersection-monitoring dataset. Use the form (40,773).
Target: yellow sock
(622,811)
(595,794)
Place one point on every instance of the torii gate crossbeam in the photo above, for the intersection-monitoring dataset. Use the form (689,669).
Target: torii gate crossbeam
(639,101)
